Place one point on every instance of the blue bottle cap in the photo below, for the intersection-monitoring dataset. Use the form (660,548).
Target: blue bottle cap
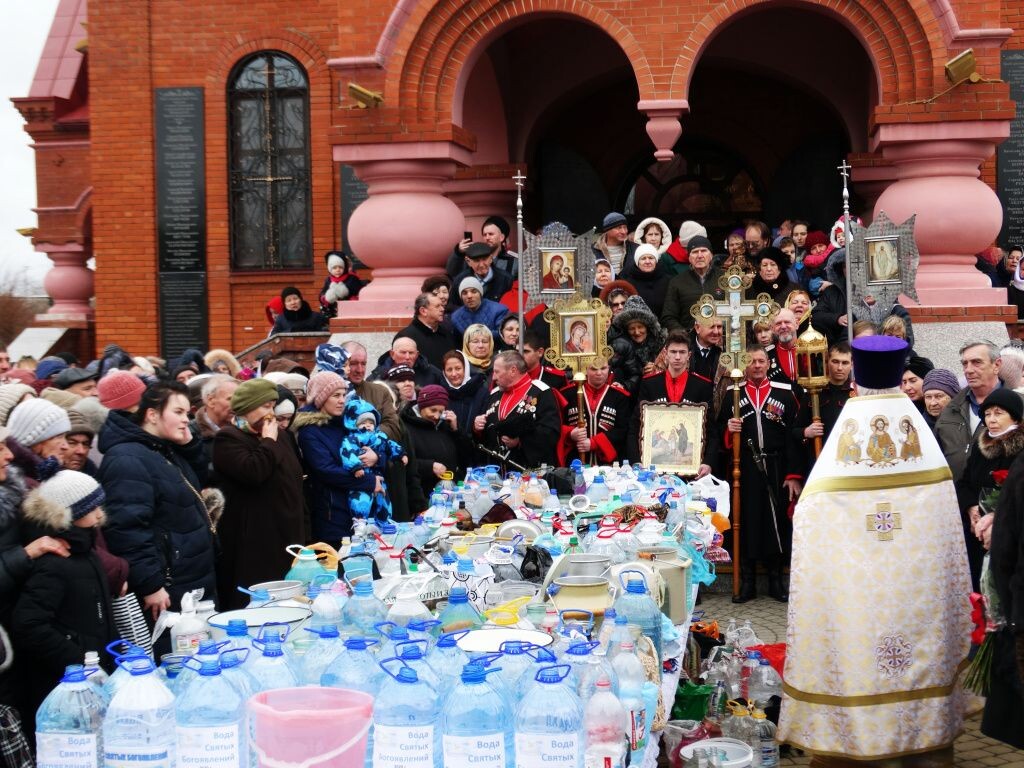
(363,588)
(473,673)
(206,647)
(313,591)
(230,659)
(423,625)
(466,565)
(458,596)
(610,614)
(73,673)
(358,643)
(449,558)
(550,675)
(210,668)
(515,647)
(418,520)
(411,650)
(407,675)
(450,639)
(581,648)
(765,663)
(326,631)
(599,479)
(237,628)
(620,621)
(636,587)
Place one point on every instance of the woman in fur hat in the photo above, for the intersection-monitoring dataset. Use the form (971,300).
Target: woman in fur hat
(222,361)
(641,337)
(653,231)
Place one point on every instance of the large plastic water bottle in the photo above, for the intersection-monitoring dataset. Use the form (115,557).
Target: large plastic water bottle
(549,723)
(355,667)
(363,610)
(271,669)
(139,726)
(392,635)
(208,650)
(420,532)
(209,717)
(638,607)
(69,722)
(631,693)
(551,503)
(766,748)
(515,660)
(447,659)
(232,667)
(598,491)
(542,657)
(325,608)
(413,653)
(603,720)
(238,635)
(406,723)
(597,666)
(121,650)
(476,724)
(750,664)
(317,658)
(579,482)
(460,613)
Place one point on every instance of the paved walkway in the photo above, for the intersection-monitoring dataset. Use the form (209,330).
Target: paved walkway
(768,618)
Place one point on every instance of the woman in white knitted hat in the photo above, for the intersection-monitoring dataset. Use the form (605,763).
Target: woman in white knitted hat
(38,431)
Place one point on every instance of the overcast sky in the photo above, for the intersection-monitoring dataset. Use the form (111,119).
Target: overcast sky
(25,26)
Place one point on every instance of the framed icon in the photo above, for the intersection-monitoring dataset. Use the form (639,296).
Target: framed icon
(883,260)
(558,270)
(672,436)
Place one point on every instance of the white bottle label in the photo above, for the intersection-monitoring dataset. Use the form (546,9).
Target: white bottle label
(533,749)
(209,746)
(66,750)
(404,746)
(134,757)
(484,751)
(189,643)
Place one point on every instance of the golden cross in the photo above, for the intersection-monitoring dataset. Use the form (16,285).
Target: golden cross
(884,521)
(736,313)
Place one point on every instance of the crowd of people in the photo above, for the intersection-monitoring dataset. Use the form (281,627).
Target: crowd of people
(132,477)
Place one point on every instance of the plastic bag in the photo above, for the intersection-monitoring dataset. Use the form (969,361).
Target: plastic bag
(691,702)
(710,487)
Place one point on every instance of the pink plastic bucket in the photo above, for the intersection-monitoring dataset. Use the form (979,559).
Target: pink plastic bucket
(310,727)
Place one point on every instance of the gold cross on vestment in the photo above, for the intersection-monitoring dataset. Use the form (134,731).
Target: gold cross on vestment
(884,521)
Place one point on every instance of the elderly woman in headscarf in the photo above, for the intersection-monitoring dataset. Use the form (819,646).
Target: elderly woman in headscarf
(467,391)
(320,428)
(478,347)
(771,277)
(261,477)
(640,335)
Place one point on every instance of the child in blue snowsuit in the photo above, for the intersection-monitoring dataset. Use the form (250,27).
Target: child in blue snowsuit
(363,424)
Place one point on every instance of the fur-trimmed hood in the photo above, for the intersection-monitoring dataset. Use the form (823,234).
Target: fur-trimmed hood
(311,418)
(666,233)
(215,355)
(1008,445)
(46,513)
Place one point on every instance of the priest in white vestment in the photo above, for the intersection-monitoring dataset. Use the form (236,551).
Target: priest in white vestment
(879,612)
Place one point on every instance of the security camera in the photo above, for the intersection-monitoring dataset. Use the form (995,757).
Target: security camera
(364,97)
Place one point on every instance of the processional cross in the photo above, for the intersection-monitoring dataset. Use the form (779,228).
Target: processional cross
(735,313)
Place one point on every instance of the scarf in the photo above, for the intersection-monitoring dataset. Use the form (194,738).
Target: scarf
(1006,431)
(483,363)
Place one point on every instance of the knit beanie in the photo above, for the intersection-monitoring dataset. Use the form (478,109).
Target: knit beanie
(691,229)
(91,411)
(645,250)
(471,282)
(60,397)
(1006,399)
(251,394)
(432,394)
(291,290)
(79,425)
(10,396)
(699,241)
(49,367)
(63,497)
(37,420)
(334,260)
(119,390)
(321,386)
(941,379)
(815,237)
(612,220)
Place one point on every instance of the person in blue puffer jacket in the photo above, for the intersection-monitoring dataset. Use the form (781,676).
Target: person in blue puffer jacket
(156,517)
(320,429)
(363,424)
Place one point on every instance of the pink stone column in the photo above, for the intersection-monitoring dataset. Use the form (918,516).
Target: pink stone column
(663,124)
(479,198)
(69,283)
(938,168)
(406,228)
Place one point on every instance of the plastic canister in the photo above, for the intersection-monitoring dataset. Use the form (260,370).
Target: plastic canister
(325,727)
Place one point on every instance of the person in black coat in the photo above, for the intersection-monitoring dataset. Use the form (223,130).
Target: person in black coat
(156,517)
(650,278)
(439,446)
(298,316)
(64,606)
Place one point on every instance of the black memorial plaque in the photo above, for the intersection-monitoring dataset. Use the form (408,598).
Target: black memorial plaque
(353,192)
(184,318)
(180,179)
(1010,155)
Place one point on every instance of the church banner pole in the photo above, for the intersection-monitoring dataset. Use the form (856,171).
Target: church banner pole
(519,179)
(737,377)
(844,170)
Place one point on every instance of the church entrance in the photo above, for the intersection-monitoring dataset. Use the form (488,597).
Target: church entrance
(778,98)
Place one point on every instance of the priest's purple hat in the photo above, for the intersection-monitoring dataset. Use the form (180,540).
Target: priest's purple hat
(879,361)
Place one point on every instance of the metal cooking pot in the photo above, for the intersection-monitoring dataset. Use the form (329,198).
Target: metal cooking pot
(584,565)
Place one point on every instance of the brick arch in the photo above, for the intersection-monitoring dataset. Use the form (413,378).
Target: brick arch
(892,33)
(297,45)
(444,42)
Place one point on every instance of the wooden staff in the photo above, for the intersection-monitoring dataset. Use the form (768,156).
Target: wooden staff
(737,377)
(816,419)
(581,405)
